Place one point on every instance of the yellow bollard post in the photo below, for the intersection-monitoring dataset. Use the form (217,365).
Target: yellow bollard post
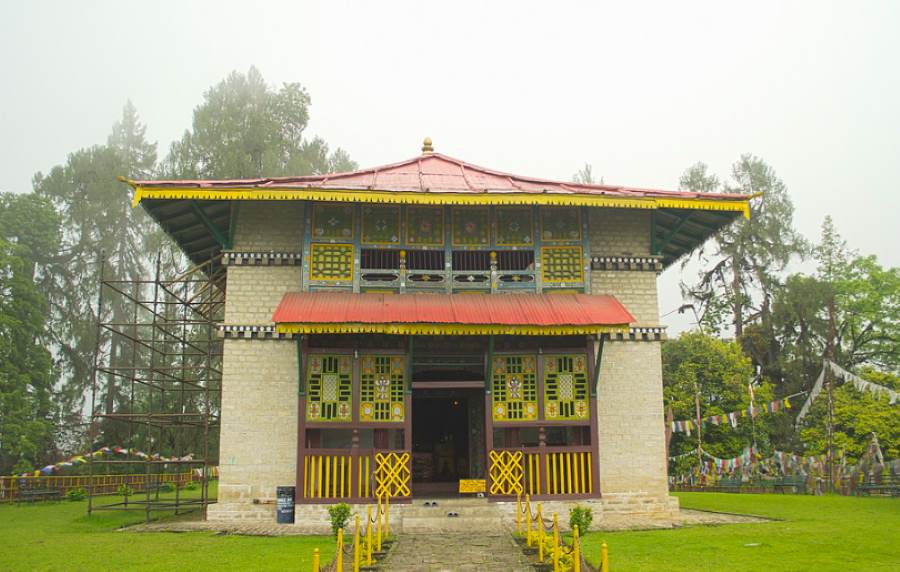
(316,560)
(369,537)
(528,519)
(340,550)
(576,550)
(555,544)
(378,527)
(540,534)
(387,506)
(356,546)
(604,558)
(519,513)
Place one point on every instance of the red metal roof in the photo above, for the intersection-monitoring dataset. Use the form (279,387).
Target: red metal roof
(432,173)
(470,309)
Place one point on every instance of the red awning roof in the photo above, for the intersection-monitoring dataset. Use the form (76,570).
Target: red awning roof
(345,312)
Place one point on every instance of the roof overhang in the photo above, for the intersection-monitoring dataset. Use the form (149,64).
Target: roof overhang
(450,314)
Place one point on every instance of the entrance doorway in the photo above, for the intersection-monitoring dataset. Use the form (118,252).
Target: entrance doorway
(447,438)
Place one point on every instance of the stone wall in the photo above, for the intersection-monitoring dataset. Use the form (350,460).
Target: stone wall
(617,232)
(631,432)
(258,443)
(269,225)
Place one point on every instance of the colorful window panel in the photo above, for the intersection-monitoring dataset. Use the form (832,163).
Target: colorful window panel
(566,387)
(331,262)
(514,226)
(330,388)
(332,221)
(425,226)
(561,264)
(471,227)
(560,224)
(381,387)
(381,224)
(514,388)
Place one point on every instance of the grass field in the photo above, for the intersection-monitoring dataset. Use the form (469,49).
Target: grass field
(811,533)
(59,536)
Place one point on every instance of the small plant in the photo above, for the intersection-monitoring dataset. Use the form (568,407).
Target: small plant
(167,488)
(125,490)
(190,486)
(76,494)
(340,515)
(582,517)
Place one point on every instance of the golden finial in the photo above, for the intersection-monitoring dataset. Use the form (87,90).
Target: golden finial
(426,146)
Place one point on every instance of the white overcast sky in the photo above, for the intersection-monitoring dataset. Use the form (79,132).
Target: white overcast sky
(639,90)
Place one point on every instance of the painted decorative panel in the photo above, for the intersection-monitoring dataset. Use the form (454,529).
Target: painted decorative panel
(514,226)
(471,227)
(381,386)
(560,224)
(514,388)
(561,264)
(329,381)
(566,387)
(331,262)
(425,226)
(332,221)
(381,224)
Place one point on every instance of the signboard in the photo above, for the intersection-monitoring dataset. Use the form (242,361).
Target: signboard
(471,485)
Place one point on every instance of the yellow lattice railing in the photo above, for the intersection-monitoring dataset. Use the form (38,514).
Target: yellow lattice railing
(569,473)
(506,472)
(392,474)
(326,476)
(562,473)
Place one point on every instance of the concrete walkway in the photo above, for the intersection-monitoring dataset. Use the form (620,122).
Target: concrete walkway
(456,552)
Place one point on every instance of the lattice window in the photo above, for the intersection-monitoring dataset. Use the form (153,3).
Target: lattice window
(329,381)
(332,221)
(381,387)
(514,388)
(514,226)
(560,224)
(471,227)
(331,262)
(381,224)
(425,226)
(561,264)
(566,387)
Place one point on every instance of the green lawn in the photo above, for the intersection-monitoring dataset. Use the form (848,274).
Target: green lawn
(60,536)
(811,533)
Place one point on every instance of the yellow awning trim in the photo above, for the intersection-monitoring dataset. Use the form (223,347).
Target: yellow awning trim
(253,194)
(448,329)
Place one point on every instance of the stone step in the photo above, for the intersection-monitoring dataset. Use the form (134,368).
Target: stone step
(442,510)
(474,524)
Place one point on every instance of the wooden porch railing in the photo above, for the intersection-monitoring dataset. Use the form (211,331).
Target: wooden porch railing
(542,471)
(333,474)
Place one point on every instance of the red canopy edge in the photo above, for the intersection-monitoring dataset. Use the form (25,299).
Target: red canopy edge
(556,312)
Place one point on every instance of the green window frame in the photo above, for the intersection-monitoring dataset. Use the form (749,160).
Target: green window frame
(382,380)
(566,391)
(330,388)
(514,388)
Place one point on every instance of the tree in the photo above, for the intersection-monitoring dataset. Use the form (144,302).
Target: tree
(29,230)
(857,415)
(246,129)
(585,176)
(742,271)
(717,370)
(96,217)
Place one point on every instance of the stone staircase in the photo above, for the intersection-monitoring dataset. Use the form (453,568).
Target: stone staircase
(456,552)
(475,515)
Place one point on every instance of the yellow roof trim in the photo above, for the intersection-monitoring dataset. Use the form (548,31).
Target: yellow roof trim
(348,195)
(448,329)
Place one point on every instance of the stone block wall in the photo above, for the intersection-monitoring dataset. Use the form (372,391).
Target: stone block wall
(631,431)
(258,443)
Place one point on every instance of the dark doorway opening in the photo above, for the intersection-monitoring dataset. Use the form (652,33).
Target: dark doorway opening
(442,439)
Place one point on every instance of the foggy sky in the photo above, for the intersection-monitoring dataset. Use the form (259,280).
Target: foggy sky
(640,91)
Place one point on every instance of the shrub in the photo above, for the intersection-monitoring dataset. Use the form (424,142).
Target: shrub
(76,494)
(125,490)
(581,517)
(340,515)
(190,486)
(167,487)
